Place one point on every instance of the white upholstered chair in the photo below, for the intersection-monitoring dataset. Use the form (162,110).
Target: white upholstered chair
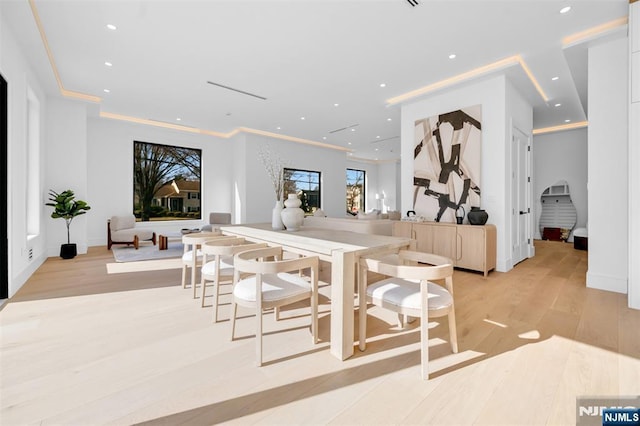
(217,264)
(409,292)
(273,286)
(192,255)
(122,230)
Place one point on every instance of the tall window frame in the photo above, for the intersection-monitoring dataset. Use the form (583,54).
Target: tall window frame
(307,184)
(163,178)
(356,191)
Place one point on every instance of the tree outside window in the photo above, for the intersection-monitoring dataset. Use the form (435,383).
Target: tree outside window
(306,184)
(166,182)
(355,191)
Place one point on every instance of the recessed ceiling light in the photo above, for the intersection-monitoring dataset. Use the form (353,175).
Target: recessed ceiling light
(302,118)
(554,78)
(348,143)
(353,130)
(107,91)
(278,128)
(376,149)
(109,64)
(557,105)
(335,105)
(178,119)
(452,56)
(351,153)
(565,9)
(567,121)
(388,119)
(377,137)
(383,85)
(112,27)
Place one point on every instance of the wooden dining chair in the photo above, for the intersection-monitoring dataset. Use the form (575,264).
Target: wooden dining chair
(217,264)
(273,286)
(409,291)
(192,255)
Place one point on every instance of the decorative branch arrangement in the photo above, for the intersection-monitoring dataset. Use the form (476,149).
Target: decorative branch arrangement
(274,166)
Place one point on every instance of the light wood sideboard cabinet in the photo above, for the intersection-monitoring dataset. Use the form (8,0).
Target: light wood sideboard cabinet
(469,246)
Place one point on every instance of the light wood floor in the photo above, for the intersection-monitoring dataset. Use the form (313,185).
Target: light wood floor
(81,347)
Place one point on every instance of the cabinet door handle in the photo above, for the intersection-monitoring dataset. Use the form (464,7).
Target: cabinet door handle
(459,247)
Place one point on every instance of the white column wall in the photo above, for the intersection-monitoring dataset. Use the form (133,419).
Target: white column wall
(561,156)
(387,176)
(491,94)
(634,156)
(608,90)
(20,78)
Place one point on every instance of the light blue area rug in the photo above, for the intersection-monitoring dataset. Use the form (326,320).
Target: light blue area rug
(146,252)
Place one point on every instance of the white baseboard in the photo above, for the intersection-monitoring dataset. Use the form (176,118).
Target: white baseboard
(607,282)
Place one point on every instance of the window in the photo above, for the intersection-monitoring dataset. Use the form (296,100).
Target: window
(306,184)
(166,182)
(33,166)
(355,191)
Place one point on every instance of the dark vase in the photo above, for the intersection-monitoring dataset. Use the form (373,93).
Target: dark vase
(477,216)
(68,251)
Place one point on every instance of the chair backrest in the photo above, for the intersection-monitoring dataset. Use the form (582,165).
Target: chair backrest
(252,261)
(412,265)
(220,218)
(229,246)
(122,222)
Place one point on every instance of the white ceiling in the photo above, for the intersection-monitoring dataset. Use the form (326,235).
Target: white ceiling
(304,56)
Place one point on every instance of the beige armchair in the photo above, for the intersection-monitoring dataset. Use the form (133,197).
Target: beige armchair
(122,230)
(215,220)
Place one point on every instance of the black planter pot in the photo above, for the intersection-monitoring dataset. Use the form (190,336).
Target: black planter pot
(477,216)
(68,251)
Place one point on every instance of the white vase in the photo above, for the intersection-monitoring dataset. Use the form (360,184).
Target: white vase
(292,214)
(276,218)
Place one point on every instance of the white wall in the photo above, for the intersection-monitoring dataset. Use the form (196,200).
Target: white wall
(387,177)
(561,156)
(66,168)
(634,156)
(20,79)
(260,196)
(496,124)
(607,166)
(110,172)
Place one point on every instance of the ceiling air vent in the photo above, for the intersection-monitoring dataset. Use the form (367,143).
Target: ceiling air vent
(344,128)
(237,90)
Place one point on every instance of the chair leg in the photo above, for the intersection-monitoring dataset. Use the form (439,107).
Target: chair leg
(259,337)
(136,242)
(216,300)
(203,284)
(452,331)
(314,317)
(362,309)
(424,343)
(234,311)
(184,276)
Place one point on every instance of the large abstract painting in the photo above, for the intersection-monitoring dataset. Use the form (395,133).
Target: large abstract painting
(447,155)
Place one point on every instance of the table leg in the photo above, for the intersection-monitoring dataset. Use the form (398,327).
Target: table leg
(163,242)
(342,294)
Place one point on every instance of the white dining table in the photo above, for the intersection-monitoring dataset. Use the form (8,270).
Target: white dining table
(343,250)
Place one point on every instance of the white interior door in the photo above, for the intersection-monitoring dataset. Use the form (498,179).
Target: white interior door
(520,199)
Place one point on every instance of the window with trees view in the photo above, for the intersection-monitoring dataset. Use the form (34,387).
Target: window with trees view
(166,182)
(355,191)
(306,184)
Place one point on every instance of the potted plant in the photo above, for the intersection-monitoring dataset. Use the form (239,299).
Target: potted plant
(66,207)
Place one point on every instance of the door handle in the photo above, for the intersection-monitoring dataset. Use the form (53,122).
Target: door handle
(521,212)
